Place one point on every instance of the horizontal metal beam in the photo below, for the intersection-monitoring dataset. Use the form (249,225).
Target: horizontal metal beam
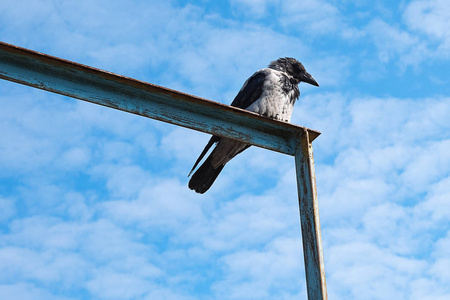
(93,85)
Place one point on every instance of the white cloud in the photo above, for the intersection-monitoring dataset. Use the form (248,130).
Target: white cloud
(253,8)
(435,209)
(253,274)
(368,272)
(110,285)
(7,209)
(307,17)
(160,202)
(395,44)
(313,16)
(432,18)
(27,291)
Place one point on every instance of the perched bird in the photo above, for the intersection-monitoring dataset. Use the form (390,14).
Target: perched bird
(270,92)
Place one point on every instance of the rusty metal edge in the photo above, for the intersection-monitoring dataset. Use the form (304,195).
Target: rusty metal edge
(310,221)
(151,87)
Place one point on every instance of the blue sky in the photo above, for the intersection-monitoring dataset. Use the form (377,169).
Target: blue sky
(94,202)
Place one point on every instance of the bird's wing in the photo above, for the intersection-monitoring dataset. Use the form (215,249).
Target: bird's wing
(212,140)
(249,93)
(251,90)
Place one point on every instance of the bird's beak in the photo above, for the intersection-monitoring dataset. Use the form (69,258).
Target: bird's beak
(309,79)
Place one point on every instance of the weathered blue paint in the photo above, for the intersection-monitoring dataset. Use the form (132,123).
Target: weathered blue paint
(119,92)
(86,83)
(309,219)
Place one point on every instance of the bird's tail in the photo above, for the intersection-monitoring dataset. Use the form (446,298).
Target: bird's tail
(204,177)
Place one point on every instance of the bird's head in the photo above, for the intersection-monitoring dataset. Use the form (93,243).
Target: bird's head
(294,68)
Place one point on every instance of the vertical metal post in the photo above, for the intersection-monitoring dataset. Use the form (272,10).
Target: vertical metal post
(309,218)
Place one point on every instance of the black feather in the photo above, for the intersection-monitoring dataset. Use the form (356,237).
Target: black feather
(204,177)
(212,140)
(250,91)
(206,174)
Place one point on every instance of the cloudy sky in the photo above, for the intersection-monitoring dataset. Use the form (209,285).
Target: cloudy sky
(94,202)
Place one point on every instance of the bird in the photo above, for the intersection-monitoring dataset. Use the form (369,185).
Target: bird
(270,92)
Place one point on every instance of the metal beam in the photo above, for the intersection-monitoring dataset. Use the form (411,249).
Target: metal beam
(86,83)
(309,219)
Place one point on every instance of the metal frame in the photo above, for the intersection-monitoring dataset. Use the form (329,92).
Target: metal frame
(100,87)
